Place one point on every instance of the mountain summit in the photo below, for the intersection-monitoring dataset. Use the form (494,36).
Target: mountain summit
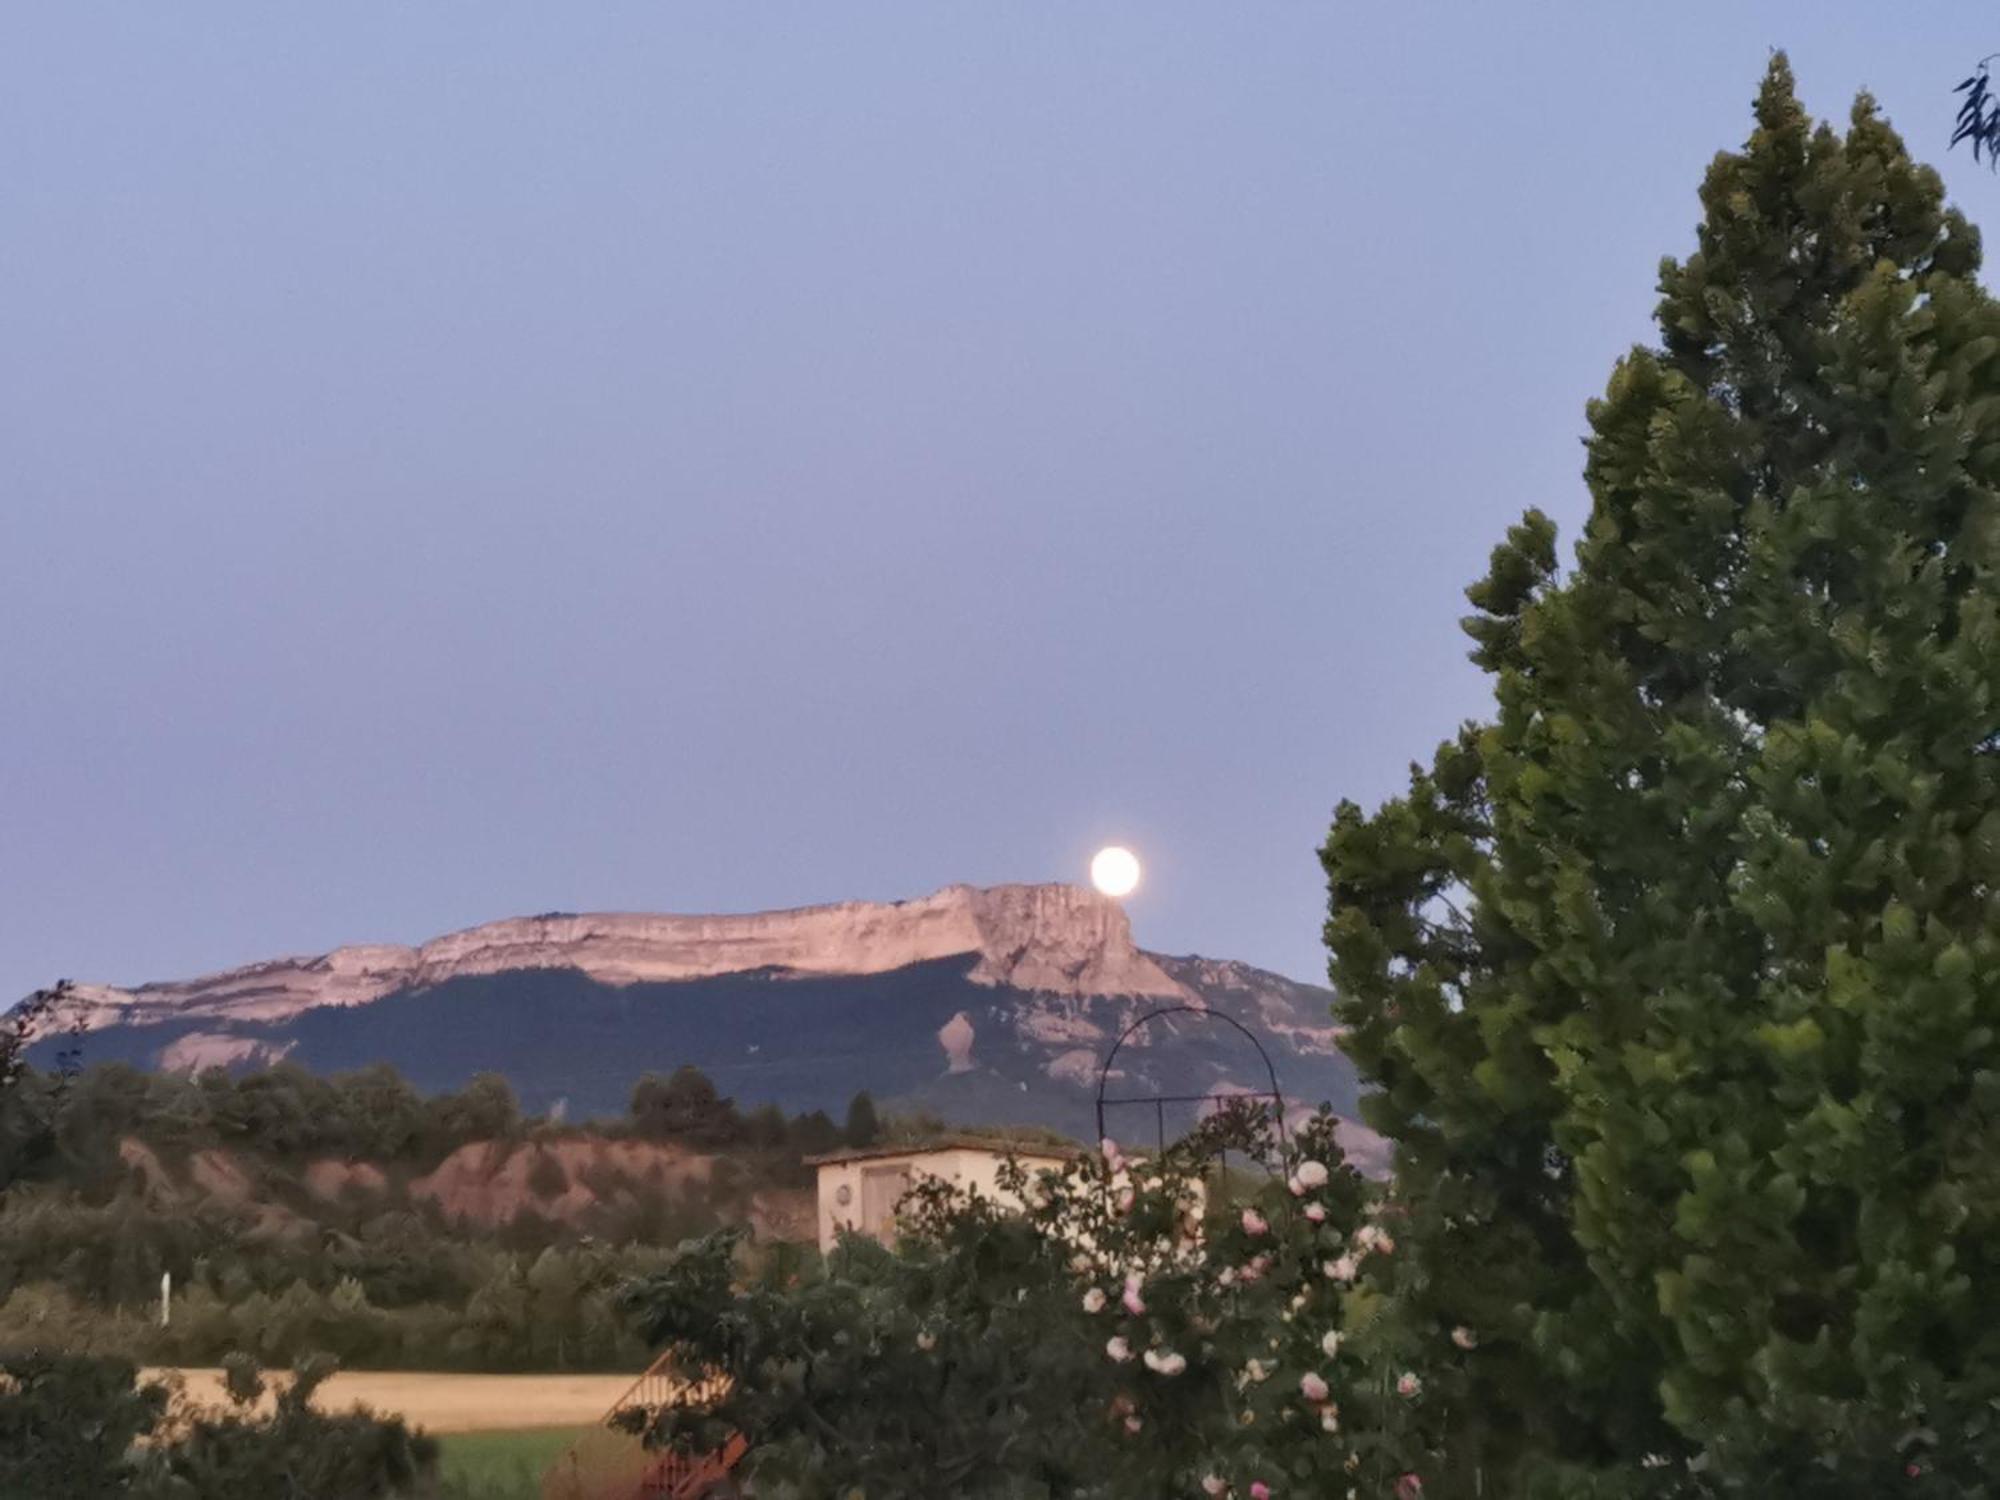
(995,1004)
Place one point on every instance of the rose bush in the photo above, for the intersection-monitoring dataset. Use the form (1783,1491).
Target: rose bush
(1146,1326)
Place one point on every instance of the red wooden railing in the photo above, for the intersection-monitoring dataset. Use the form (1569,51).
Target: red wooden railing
(678,1476)
(608,1464)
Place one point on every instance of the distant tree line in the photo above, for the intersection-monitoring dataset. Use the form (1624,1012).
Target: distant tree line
(377,1277)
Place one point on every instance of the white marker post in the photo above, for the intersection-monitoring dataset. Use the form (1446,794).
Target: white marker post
(166,1297)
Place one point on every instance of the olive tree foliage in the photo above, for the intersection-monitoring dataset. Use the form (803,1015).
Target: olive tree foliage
(1139,1329)
(1680,979)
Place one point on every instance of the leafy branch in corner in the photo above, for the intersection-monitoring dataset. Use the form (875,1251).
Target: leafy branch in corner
(1979,114)
(42,1014)
(26,1132)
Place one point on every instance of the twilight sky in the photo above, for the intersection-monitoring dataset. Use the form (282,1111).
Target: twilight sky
(461,460)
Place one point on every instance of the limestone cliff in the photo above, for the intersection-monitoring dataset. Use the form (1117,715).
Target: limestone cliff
(1050,939)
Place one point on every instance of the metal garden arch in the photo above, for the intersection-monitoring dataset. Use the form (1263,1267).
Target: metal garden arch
(1161,1101)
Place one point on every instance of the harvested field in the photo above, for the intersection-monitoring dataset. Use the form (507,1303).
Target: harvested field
(455,1403)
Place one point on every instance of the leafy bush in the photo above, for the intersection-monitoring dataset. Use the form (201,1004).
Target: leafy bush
(71,1429)
(239,1453)
(68,1425)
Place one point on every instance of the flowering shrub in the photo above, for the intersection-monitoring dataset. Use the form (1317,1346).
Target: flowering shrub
(1147,1326)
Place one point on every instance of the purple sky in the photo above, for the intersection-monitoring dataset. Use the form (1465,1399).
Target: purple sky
(461,460)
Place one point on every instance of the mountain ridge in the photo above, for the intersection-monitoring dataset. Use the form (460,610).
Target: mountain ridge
(1054,939)
(990,1005)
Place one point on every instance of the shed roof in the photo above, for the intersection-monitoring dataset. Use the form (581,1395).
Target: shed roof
(1046,1150)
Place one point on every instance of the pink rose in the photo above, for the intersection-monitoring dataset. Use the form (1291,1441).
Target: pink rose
(1260,1491)
(1313,1388)
(1253,1222)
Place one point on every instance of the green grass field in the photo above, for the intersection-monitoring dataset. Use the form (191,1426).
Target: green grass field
(501,1465)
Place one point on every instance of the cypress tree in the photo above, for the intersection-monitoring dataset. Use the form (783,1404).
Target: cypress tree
(1678,978)
(864,1127)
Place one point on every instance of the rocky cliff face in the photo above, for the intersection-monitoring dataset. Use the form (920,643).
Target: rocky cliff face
(1299,1014)
(1052,939)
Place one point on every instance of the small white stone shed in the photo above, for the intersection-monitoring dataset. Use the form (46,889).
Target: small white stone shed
(859,1188)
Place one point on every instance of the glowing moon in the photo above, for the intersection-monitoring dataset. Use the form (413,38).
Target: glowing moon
(1115,871)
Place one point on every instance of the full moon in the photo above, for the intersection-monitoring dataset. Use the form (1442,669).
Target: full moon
(1115,871)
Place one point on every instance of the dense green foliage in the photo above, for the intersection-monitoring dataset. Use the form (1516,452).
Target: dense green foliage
(1680,980)
(1135,1331)
(68,1424)
(71,1429)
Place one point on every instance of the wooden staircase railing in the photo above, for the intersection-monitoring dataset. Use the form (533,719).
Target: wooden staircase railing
(679,1476)
(608,1464)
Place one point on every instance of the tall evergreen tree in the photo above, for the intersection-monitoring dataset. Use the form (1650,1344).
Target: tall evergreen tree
(864,1126)
(1679,978)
